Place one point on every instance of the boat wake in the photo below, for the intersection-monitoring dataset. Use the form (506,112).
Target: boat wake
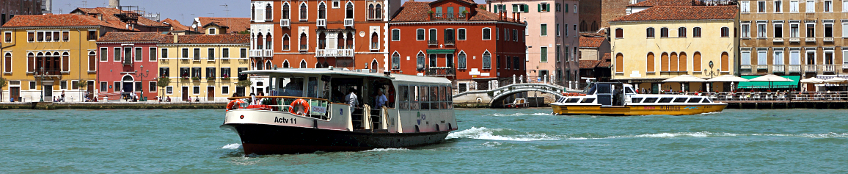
(231,146)
(387,149)
(518,114)
(483,133)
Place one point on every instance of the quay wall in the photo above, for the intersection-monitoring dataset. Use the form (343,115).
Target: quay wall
(151,105)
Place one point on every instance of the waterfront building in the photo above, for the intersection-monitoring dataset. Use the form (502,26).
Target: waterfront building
(475,48)
(122,19)
(551,32)
(594,58)
(51,52)
(203,66)
(128,63)
(662,42)
(597,14)
(10,8)
(220,25)
(793,38)
(177,28)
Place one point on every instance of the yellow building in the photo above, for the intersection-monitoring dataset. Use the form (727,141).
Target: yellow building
(667,41)
(50,52)
(203,67)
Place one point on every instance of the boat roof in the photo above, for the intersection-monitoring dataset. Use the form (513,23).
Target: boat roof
(328,71)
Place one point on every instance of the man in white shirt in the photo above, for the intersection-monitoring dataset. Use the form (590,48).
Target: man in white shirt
(351,98)
(381,99)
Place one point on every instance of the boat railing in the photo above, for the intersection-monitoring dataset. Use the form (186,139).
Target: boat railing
(318,107)
(776,96)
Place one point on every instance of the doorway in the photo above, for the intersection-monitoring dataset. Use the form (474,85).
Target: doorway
(48,92)
(127,85)
(15,93)
(185,93)
(210,93)
(90,89)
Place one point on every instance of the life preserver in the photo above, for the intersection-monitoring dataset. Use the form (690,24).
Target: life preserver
(299,102)
(235,104)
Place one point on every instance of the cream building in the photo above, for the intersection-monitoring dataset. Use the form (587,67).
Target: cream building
(203,66)
(667,41)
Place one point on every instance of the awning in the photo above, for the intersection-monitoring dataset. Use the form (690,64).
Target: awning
(749,85)
(441,51)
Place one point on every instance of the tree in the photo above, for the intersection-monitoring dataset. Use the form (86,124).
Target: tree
(80,86)
(163,82)
(244,83)
(2,85)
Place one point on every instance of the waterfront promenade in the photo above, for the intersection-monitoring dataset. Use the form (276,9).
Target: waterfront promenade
(112,105)
(779,100)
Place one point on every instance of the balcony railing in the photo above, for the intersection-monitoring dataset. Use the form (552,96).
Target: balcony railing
(828,39)
(759,67)
(794,68)
(450,42)
(828,68)
(809,68)
(845,66)
(285,23)
(321,22)
(333,52)
(795,39)
(348,22)
(267,53)
(441,71)
(446,17)
(261,53)
(777,40)
(432,42)
(810,39)
(748,67)
(778,68)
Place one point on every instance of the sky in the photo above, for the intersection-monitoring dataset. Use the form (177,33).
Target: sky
(182,10)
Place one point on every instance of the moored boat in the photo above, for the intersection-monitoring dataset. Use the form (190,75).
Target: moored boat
(309,111)
(618,99)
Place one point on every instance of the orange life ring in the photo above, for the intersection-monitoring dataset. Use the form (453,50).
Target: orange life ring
(299,102)
(235,104)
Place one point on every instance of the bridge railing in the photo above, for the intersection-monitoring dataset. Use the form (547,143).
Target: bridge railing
(774,96)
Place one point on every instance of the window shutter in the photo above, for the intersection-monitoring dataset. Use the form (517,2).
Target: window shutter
(514,8)
(539,9)
(566,8)
(548,7)
(526,8)
(496,9)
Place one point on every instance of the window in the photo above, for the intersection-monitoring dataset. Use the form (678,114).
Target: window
(681,32)
(725,32)
(419,34)
(41,36)
(566,29)
(449,38)
(117,86)
(104,86)
(558,7)
(286,41)
(461,60)
(487,34)
(225,72)
(557,28)
(828,30)
(195,90)
(844,6)
(460,34)
(845,29)
(243,53)
(152,54)
(498,61)
(543,54)
(794,57)
(92,35)
(375,41)
(185,52)
(793,30)
(844,57)
(284,14)
(169,90)
(828,6)
(225,52)
(7,36)
(762,58)
(761,30)
(210,72)
(745,6)
(225,90)
(137,57)
(778,6)
(104,54)
(811,30)
(544,7)
(210,54)
(696,32)
(793,6)
(117,56)
(252,12)
(544,29)
(322,11)
(379,11)
(196,54)
(420,61)
(212,31)
(395,61)
(32,85)
(303,13)
(663,32)
(395,34)
(811,6)
(556,53)
(778,30)
(761,6)
(152,86)
(433,61)
(164,72)
(619,33)
(649,32)
(487,60)
(371,11)
(514,35)
(164,53)
(30,36)
(7,62)
(778,57)
(92,61)
(349,11)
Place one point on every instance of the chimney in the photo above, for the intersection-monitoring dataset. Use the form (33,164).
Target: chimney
(518,18)
(176,39)
(114,3)
(513,15)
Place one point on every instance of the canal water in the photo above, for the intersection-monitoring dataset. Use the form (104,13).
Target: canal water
(488,141)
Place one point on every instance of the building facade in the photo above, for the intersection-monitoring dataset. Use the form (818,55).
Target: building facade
(122,19)
(667,41)
(203,67)
(51,52)
(551,32)
(128,63)
(597,14)
(10,8)
(475,48)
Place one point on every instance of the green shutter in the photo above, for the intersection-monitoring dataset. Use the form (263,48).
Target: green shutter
(566,8)
(548,7)
(526,8)
(495,10)
(539,9)
(514,8)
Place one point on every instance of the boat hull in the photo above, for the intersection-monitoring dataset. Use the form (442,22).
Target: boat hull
(637,109)
(264,139)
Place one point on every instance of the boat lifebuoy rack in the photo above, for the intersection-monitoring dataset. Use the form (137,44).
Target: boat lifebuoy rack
(235,104)
(299,103)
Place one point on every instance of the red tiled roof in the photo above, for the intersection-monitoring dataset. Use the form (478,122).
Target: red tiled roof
(109,15)
(235,24)
(681,13)
(652,3)
(605,61)
(51,20)
(413,11)
(588,64)
(133,37)
(211,39)
(175,25)
(593,42)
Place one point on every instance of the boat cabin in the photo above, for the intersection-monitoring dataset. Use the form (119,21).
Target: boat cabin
(620,94)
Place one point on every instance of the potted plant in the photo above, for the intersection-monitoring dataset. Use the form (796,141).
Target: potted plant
(225,77)
(210,78)
(195,78)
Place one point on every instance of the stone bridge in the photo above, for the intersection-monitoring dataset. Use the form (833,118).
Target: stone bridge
(495,97)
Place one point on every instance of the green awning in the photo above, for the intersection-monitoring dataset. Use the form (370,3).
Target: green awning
(441,51)
(750,85)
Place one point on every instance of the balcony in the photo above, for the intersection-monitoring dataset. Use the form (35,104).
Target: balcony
(348,22)
(779,40)
(49,74)
(795,40)
(285,23)
(794,68)
(759,67)
(744,67)
(333,52)
(267,53)
(778,69)
(446,17)
(828,39)
(432,42)
(321,22)
(450,42)
(844,66)
(261,53)
(810,68)
(828,68)
(810,39)
(441,71)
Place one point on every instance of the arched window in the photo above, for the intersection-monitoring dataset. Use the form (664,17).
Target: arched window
(681,32)
(583,26)
(341,41)
(349,11)
(268,13)
(39,62)
(696,32)
(650,62)
(696,61)
(594,26)
(303,64)
(395,61)
(673,65)
(252,12)
(31,63)
(322,41)
(419,59)
(374,66)
(303,9)
(318,65)
(375,41)
(683,62)
(349,40)
(326,64)
(268,41)
(66,59)
(7,62)
(303,41)
(286,64)
(664,62)
(663,32)
(379,11)
(371,11)
(487,60)
(285,13)
(725,32)
(619,62)
(268,64)
(461,60)
(619,33)
(322,11)
(92,60)
(259,41)
(650,32)
(286,42)
(724,61)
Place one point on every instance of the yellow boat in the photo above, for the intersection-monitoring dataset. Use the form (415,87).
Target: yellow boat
(608,98)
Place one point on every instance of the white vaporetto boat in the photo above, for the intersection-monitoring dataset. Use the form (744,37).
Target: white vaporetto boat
(307,112)
(618,99)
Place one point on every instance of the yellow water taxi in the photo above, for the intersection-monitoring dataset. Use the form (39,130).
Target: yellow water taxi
(618,99)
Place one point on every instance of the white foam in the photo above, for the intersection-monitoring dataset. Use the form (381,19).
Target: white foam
(231,146)
(483,133)
(686,134)
(805,135)
(387,149)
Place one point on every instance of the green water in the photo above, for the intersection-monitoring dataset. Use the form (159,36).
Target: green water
(488,141)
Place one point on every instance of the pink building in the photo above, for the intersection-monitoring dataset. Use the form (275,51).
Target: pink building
(128,63)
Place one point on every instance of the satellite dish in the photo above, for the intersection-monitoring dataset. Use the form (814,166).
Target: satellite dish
(193,25)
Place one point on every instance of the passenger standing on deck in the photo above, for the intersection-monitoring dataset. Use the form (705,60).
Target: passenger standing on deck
(380,99)
(351,98)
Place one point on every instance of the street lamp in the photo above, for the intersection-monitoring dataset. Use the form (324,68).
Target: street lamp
(142,76)
(710,72)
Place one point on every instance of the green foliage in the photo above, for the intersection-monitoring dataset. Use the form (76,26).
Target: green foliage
(163,82)
(2,82)
(244,32)
(81,85)
(244,83)
(195,78)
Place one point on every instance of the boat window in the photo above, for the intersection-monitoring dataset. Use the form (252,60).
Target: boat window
(572,100)
(629,90)
(694,100)
(312,87)
(404,97)
(706,100)
(413,98)
(291,87)
(588,100)
(592,90)
(434,97)
(446,102)
(650,100)
(422,97)
(635,100)
(665,100)
(604,88)
(680,100)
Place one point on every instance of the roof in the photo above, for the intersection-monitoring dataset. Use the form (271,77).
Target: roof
(51,20)
(588,64)
(681,13)
(211,39)
(109,15)
(593,42)
(652,3)
(133,37)
(606,61)
(413,11)
(175,25)
(235,24)
(326,71)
